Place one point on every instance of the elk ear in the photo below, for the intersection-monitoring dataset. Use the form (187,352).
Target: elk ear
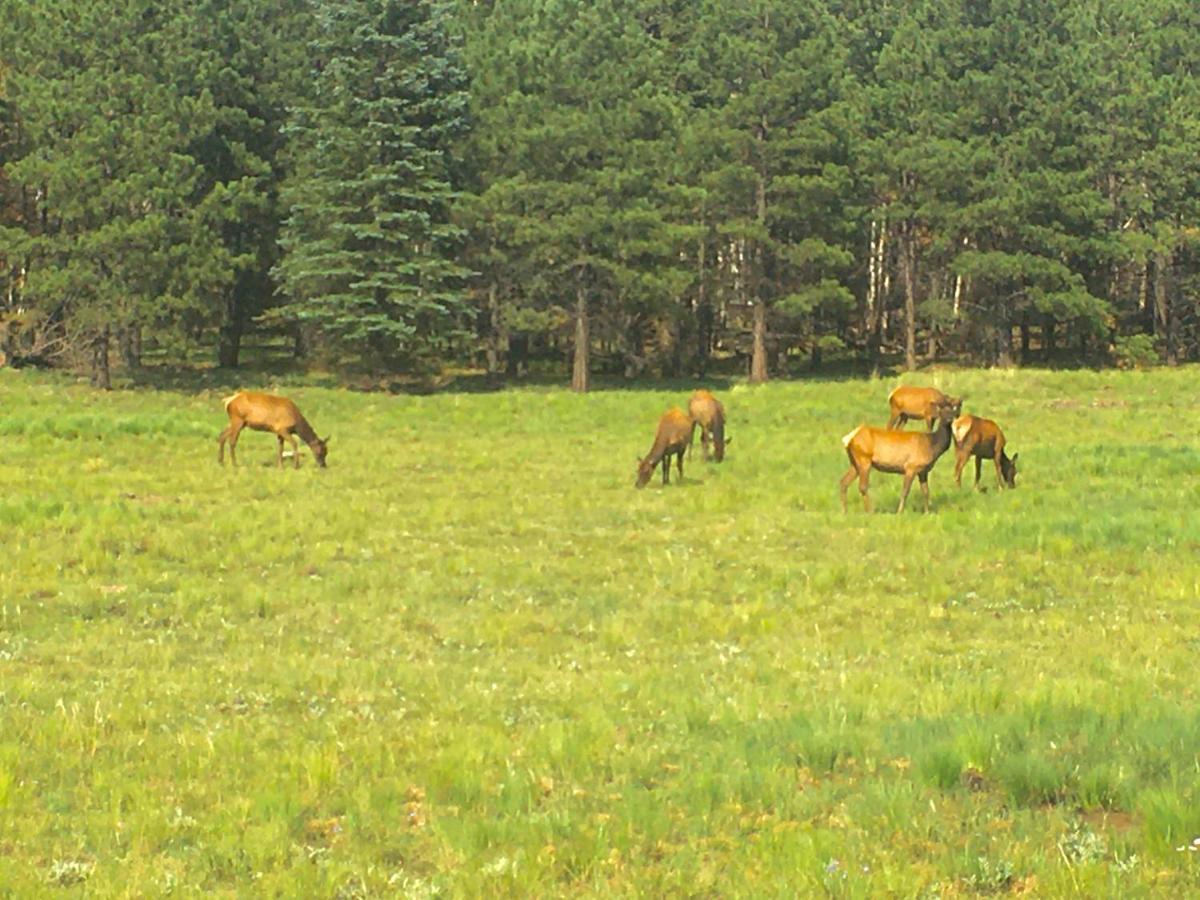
(728,441)
(1014,458)
(325,440)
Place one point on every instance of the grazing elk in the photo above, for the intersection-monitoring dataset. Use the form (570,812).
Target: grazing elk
(266,412)
(709,414)
(917,403)
(983,439)
(674,436)
(908,453)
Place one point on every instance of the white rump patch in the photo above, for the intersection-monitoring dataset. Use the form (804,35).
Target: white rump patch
(230,399)
(960,428)
(850,437)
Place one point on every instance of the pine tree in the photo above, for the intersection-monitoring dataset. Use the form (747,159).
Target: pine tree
(105,175)
(369,250)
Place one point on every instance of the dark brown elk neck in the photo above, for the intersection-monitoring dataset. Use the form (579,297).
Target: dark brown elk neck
(304,431)
(940,439)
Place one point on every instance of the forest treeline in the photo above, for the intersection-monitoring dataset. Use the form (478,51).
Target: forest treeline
(620,186)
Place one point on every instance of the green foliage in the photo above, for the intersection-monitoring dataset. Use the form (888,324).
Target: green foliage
(1135,351)
(388,182)
(368,248)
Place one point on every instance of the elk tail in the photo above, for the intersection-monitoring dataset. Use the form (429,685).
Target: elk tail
(229,400)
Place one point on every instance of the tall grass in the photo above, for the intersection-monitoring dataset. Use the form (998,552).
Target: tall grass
(470,659)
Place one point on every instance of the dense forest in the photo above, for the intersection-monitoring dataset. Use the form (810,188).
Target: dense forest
(627,187)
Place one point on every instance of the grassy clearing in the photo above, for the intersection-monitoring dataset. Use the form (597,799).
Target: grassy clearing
(470,659)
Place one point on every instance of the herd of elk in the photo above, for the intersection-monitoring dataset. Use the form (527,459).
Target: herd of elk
(266,412)
(676,432)
(891,449)
(914,454)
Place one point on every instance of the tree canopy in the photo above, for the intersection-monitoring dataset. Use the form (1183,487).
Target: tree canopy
(623,186)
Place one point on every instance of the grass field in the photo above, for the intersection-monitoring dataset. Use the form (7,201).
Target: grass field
(469,659)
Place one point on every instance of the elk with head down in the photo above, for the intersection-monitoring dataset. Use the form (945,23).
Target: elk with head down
(908,453)
(674,436)
(707,412)
(909,402)
(267,412)
(983,439)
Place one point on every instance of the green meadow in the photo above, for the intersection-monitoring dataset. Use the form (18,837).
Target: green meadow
(469,659)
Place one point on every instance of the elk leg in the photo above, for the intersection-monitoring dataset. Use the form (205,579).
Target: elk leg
(908,480)
(295,451)
(961,457)
(279,451)
(864,477)
(929,421)
(999,472)
(704,438)
(924,476)
(666,470)
(679,462)
(230,435)
(896,421)
(845,483)
(978,470)
(234,430)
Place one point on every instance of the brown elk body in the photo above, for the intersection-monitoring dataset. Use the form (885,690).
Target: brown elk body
(983,439)
(673,437)
(709,414)
(267,412)
(908,453)
(916,403)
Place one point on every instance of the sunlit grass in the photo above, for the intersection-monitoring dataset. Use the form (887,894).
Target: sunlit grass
(470,658)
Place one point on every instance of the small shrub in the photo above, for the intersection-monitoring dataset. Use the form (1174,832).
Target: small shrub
(1135,351)
(991,877)
(1081,845)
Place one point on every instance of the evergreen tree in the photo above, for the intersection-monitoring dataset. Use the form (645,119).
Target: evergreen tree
(369,251)
(107,227)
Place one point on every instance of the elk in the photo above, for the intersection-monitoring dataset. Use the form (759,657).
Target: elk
(709,414)
(267,412)
(983,439)
(908,453)
(916,403)
(674,436)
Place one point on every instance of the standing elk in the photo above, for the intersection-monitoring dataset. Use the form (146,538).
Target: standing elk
(674,436)
(267,412)
(917,403)
(709,414)
(908,453)
(983,439)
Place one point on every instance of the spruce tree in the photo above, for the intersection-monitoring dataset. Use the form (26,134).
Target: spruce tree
(369,249)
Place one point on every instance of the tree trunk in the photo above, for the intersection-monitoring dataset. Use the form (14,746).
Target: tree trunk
(101,376)
(704,313)
(579,373)
(494,338)
(1163,324)
(1049,337)
(758,359)
(1004,344)
(876,295)
(518,354)
(1025,338)
(229,335)
(129,345)
(910,301)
